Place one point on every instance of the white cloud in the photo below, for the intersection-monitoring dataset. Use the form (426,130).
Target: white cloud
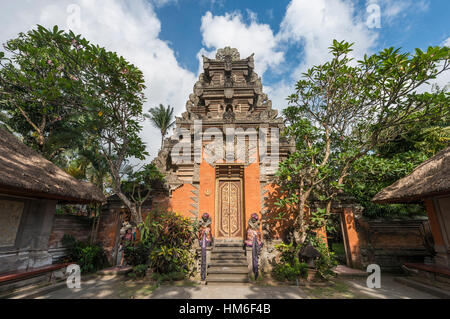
(312,24)
(130,28)
(446,42)
(278,93)
(315,24)
(394,8)
(443,79)
(231,30)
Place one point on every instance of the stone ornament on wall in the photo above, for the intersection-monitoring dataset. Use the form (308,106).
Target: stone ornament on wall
(227,51)
(10,214)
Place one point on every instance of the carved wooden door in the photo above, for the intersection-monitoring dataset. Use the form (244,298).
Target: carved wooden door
(230,209)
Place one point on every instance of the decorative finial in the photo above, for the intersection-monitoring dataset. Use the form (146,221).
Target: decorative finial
(228,51)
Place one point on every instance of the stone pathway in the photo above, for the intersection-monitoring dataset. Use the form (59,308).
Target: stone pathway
(115,287)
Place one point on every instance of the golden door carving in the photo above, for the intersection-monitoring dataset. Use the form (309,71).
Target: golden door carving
(230,214)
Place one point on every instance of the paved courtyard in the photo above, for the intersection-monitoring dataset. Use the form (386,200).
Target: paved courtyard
(118,287)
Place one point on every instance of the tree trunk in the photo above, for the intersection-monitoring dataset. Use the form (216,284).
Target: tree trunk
(137,218)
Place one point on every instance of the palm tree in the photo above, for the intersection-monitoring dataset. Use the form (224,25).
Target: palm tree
(162,119)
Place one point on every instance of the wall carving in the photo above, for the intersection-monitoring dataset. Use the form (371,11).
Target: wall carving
(10,215)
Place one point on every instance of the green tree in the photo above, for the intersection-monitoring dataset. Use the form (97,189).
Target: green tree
(342,110)
(41,93)
(161,118)
(139,185)
(392,161)
(55,86)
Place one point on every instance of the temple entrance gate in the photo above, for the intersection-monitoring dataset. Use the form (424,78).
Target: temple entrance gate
(229,202)
(230,210)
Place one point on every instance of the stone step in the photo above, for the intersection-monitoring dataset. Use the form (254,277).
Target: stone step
(228,270)
(228,250)
(227,278)
(228,263)
(228,257)
(228,245)
(228,242)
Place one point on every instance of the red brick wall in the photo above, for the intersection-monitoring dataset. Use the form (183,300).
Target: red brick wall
(108,232)
(77,226)
(181,200)
(252,191)
(207,194)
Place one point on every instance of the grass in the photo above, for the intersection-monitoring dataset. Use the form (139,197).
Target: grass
(336,290)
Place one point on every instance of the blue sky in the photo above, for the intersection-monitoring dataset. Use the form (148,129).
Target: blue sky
(166,38)
(416,24)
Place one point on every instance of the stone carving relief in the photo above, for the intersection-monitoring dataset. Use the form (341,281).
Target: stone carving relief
(227,51)
(10,214)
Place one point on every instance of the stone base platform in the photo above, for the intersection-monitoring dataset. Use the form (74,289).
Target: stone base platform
(115,271)
(344,271)
(432,279)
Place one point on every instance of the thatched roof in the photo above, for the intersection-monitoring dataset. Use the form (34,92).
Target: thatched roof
(25,172)
(428,179)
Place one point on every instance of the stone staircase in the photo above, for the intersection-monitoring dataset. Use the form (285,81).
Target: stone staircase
(228,263)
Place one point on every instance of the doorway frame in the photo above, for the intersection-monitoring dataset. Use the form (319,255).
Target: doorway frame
(343,225)
(241,203)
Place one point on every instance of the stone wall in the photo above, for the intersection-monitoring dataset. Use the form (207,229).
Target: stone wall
(77,226)
(393,243)
(27,246)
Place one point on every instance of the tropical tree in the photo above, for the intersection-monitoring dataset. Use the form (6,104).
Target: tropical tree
(41,91)
(392,161)
(161,118)
(60,92)
(343,110)
(139,184)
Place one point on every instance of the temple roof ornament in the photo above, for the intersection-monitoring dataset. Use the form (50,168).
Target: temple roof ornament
(227,51)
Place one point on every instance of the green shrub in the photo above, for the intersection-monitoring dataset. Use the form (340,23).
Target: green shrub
(137,253)
(169,237)
(90,258)
(289,268)
(327,260)
(288,252)
(139,271)
(290,271)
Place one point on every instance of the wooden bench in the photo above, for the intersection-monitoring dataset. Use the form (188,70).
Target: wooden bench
(25,274)
(430,268)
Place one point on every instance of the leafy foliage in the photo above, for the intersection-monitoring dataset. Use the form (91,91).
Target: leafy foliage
(161,118)
(393,161)
(344,110)
(90,258)
(289,268)
(139,271)
(166,242)
(137,254)
(41,91)
(327,261)
(62,94)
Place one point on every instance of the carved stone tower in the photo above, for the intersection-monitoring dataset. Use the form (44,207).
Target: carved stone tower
(228,95)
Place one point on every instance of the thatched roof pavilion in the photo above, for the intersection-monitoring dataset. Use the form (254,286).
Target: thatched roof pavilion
(24,172)
(431,178)
(428,183)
